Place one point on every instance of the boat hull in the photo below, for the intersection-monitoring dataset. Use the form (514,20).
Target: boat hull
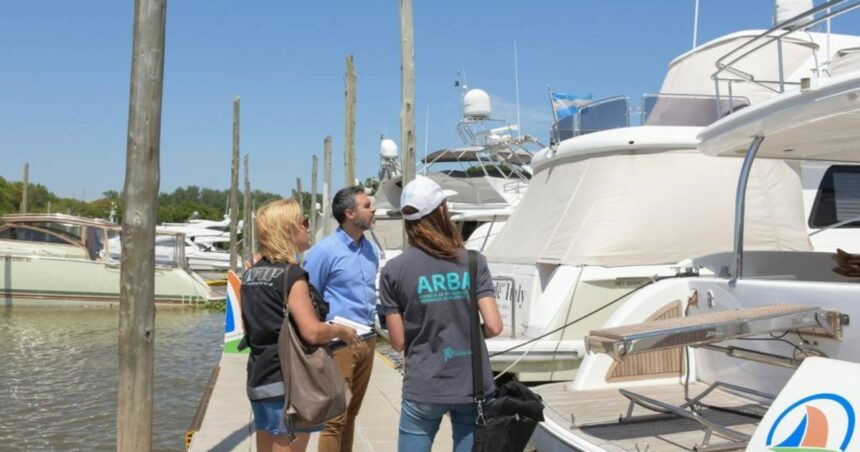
(46,279)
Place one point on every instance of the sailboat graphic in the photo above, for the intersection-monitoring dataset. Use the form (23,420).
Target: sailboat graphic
(233,328)
(814,430)
(810,434)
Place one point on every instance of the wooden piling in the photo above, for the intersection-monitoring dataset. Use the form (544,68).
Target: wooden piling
(136,340)
(349,125)
(25,188)
(407,97)
(247,246)
(407,91)
(299,191)
(234,188)
(326,204)
(313,213)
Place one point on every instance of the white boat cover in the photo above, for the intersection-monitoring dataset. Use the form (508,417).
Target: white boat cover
(644,209)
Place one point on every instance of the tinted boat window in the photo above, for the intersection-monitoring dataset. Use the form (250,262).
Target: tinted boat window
(838,197)
(30,235)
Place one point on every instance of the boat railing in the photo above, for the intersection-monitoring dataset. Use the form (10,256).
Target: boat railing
(727,66)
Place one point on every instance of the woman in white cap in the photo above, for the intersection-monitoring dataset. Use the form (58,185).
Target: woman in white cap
(425,297)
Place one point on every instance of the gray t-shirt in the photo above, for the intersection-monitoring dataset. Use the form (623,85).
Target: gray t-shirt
(432,295)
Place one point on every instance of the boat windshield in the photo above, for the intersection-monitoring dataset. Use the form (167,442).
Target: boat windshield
(604,114)
(69,231)
(655,110)
(31,234)
(169,248)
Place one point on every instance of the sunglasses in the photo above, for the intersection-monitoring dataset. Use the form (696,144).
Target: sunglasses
(306,223)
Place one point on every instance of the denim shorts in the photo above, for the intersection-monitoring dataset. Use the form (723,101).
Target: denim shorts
(269,417)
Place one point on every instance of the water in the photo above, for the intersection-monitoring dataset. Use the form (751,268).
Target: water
(58,375)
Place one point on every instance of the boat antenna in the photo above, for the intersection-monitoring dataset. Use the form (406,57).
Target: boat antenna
(517,88)
(696,25)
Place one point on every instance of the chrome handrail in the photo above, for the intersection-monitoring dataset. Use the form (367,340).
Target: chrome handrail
(830,9)
(740,205)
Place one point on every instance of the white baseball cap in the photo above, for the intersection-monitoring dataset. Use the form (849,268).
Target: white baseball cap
(424,195)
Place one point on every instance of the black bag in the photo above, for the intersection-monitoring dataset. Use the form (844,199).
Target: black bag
(506,422)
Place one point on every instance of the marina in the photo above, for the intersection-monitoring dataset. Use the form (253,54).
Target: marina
(672,272)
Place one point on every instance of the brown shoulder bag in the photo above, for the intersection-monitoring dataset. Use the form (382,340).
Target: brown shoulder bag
(314,389)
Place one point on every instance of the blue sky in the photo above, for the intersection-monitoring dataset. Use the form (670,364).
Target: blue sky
(65,68)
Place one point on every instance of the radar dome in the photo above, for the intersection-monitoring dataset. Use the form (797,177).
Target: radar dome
(476,104)
(388,149)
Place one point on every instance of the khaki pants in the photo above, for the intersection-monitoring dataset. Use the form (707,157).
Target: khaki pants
(355,364)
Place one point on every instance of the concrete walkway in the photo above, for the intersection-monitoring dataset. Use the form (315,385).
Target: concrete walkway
(228,423)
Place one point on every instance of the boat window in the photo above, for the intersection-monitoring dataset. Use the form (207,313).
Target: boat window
(28,234)
(166,250)
(563,129)
(838,198)
(468,227)
(72,232)
(604,114)
(685,109)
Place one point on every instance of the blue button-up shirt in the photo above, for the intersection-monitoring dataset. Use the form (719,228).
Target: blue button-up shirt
(345,274)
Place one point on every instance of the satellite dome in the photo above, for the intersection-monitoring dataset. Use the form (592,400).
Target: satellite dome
(476,104)
(388,149)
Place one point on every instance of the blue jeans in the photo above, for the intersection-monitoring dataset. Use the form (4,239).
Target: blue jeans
(420,421)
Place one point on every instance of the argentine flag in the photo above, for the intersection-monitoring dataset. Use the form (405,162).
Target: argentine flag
(566,105)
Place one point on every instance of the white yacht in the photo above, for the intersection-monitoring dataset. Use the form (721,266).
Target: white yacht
(490,174)
(67,259)
(206,243)
(612,208)
(709,363)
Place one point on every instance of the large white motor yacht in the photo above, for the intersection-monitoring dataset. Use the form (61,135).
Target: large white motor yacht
(710,363)
(613,207)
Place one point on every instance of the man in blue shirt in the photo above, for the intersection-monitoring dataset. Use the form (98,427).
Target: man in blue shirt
(343,268)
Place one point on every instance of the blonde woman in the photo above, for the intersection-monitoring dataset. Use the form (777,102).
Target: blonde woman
(425,296)
(276,279)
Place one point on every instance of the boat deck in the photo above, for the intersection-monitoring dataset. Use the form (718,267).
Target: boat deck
(594,416)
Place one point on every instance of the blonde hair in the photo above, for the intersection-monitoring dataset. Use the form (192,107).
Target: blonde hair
(435,234)
(277,223)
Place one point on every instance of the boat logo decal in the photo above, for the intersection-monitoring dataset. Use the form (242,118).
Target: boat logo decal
(821,422)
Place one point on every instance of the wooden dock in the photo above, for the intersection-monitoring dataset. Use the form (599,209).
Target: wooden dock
(228,423)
